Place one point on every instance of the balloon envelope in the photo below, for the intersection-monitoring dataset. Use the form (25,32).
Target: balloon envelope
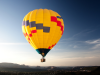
(42,28)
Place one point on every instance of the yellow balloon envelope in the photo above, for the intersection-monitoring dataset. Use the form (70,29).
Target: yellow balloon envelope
(42,28)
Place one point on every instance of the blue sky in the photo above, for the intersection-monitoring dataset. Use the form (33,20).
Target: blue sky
(79,45)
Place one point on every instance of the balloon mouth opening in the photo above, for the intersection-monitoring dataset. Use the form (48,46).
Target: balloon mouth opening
(43,51)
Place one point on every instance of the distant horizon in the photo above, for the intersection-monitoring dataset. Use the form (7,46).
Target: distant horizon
(41,66)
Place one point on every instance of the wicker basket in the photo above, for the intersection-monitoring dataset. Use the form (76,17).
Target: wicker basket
(42,60)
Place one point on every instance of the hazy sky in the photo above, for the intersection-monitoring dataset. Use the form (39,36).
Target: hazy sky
(79,45)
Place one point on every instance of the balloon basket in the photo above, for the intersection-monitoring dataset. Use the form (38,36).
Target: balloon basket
(42,60)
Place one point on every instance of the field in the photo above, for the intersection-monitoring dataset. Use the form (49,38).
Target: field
(50,73)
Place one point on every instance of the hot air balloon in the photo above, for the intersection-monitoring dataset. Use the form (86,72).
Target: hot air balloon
(43,28)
